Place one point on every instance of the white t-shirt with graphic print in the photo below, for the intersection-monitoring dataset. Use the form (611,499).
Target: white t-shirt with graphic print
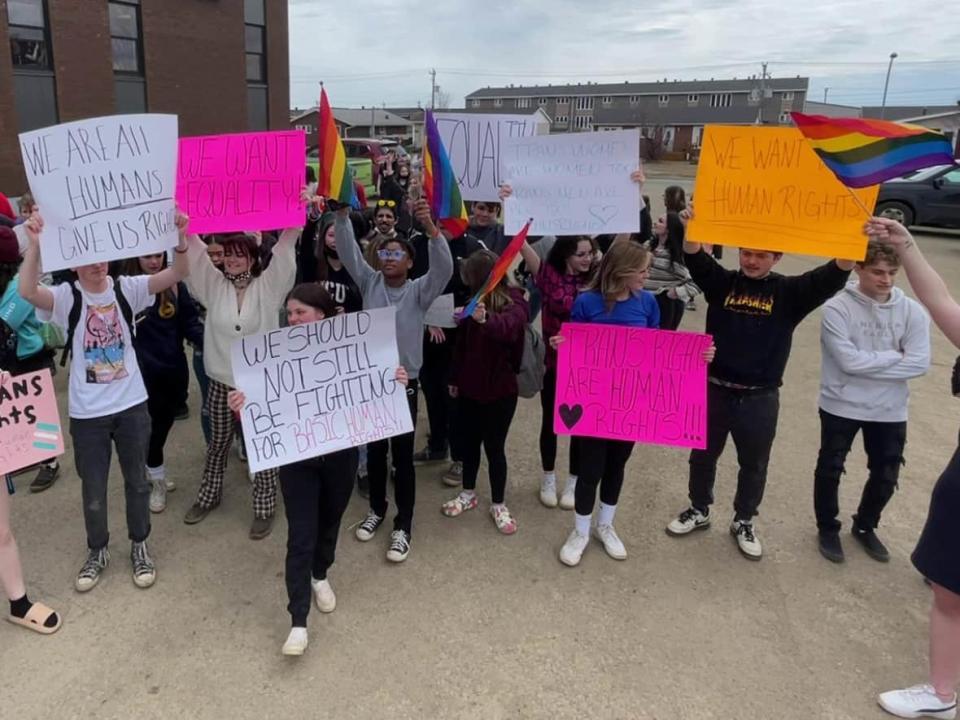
(104,375)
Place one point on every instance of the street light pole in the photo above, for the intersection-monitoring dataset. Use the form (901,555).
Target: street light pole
(886,84)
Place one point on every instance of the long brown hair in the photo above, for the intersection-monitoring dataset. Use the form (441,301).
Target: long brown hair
(474,272)
(622,260)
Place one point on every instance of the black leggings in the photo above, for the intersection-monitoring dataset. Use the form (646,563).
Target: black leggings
(671,311)
(603,464)
(548,438)
(400,448)
(486,424)
(165,396)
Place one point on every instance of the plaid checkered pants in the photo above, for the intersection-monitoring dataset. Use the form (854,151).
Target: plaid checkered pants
(221,437)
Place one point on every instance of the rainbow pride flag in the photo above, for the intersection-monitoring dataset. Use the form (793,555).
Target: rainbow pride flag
(439,185)
(498,270)
(863,152)
(334,181)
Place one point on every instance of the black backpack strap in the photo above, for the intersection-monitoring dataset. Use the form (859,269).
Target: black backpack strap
(73,319)
(125,310)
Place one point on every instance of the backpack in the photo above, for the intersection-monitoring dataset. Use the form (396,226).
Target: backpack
(73,319)
(532,364)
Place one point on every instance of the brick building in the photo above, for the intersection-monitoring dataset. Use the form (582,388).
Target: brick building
(220,65)
(674,110)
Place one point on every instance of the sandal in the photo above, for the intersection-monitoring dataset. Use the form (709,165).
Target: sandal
(35,619)
(459,505)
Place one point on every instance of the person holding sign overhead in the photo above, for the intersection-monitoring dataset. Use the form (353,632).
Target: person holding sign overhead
(108,398)
(241,300)
(390,285)
(752,314)
(315,494)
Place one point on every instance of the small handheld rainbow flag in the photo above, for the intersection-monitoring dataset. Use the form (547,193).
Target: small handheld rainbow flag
(335,181)
(862,152)
(439,184)
(498,270)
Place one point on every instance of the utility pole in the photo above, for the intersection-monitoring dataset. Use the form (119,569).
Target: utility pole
(886,85)
(825,91)
(763,93)
(433,88)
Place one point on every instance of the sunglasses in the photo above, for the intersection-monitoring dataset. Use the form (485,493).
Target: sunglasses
(386,203)
(396,255)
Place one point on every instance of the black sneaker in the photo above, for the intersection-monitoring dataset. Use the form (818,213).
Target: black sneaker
(46,477)
(95,564)
(428,455)
(831,547)
(871,543)
(399,546)
(182,413)
(368,528)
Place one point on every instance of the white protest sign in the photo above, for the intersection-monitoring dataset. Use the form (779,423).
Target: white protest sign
(440,312)
(105,187)
(321,387)
(575,184)
(473,144)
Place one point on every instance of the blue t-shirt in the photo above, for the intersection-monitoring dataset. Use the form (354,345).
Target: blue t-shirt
(638,310)
(21,317)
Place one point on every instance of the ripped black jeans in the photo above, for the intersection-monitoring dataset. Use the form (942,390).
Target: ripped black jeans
(883,443)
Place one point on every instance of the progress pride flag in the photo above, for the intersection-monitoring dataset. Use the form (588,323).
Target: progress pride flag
(246,181)
(633,384)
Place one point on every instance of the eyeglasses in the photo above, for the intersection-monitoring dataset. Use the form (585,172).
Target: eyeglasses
(386,203)
(396,255)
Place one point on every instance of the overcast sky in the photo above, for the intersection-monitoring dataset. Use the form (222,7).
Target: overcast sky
(381,51)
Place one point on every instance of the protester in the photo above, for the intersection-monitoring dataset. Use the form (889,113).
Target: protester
(316,492)
(27,206)
(874,338)
(22,348)
(751,316)
(485,226)
(107,396)
(384,229)
(669,280)
(390,286)
(483,378)
(161,330)
(241,300)
(939,547)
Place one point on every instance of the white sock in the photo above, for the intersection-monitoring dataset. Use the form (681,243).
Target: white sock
(494,506)
(582,523)
(157,473)
(52,464)
(550,479)
(571,483)
(605,516)
(467,494)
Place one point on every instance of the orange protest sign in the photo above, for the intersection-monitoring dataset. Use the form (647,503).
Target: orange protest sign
(764,188)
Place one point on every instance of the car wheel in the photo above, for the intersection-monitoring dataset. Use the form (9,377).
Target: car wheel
(898,211)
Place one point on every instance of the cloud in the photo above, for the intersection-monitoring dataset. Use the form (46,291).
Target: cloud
(383,52)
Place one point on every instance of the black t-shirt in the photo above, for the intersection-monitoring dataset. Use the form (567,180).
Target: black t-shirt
(343,290)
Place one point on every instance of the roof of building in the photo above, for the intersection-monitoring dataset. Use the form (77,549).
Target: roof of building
(901,112)
(799,84)
(830,109)
(681,114)
(359,117)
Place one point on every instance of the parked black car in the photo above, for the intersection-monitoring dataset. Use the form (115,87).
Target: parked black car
(926,197)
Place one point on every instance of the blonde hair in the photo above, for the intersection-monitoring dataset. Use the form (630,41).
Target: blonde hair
(474,272)
(623,259)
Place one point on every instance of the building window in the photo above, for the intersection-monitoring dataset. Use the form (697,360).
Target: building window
(634,99)
(256,55)
(563,101)
(561,120)
(607,100)
(475,102)
(583,122)
(693,99)
(720,100)
(497,102)
(663,100)
(785,118)
(125,36)
(29,39)
(542,101)
(306,128)
(255,42)
(523,102)
(788,96)
(584,103)
(253,12)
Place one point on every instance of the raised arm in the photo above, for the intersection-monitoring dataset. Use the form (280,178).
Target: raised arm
(527,252)
(170,276)
(30,288)
(349,250)
(438,275)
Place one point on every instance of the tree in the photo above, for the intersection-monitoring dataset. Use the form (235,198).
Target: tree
(443,99)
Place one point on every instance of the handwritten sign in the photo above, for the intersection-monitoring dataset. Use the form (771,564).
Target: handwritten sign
(246,181)
(30,430)
(317,388)
(473,143)
(105,187)
(764,188)
(575,184)
(635,384)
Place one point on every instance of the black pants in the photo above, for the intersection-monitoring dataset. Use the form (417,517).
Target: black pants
(548,438)
(750,416)
(883,442)
(401,447)
(486,424)
(315,495)
(602,463)
(442,410)
(165,396)
(671,311)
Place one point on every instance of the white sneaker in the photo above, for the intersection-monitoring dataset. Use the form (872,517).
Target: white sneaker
(158,495)
(296,642)
(548,492)
(611,542)
(324,596)
(573,548)
(568,499)
(686,522)
(399,546)
(919,701)
(747,540)
(160,473)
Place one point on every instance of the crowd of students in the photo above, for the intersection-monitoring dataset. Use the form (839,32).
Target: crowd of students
(125,330)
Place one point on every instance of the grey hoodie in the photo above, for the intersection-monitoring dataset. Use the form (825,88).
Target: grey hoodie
(410,299)
(870,350)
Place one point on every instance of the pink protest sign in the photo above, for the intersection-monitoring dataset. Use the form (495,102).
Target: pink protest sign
(246,181)
(30,430)
(627,383)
